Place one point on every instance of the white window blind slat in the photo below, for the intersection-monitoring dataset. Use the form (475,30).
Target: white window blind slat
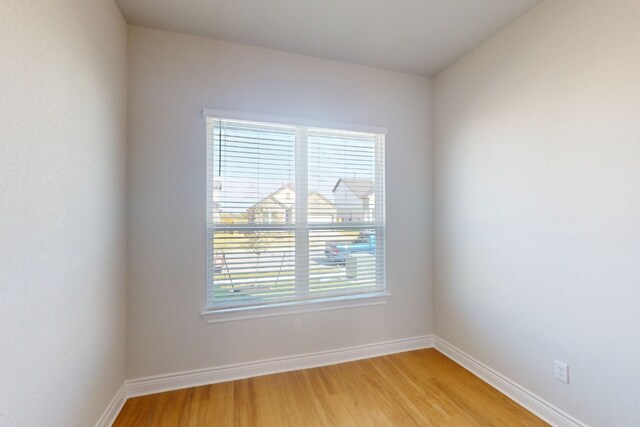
(293,213)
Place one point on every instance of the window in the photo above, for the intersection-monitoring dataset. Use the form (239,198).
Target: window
(294,213)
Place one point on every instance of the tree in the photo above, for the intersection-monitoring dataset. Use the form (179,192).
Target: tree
(257,242)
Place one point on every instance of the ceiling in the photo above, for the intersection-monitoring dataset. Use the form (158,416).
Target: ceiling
(415,36)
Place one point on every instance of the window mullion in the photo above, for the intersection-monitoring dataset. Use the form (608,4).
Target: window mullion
(301,214)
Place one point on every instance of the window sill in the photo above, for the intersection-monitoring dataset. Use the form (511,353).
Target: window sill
(220,315)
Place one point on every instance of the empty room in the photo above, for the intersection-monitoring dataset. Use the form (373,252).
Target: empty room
(319,213)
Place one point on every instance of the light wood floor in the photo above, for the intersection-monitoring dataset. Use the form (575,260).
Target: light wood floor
(418,388)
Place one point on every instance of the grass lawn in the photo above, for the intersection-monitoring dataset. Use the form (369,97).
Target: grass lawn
(274,278)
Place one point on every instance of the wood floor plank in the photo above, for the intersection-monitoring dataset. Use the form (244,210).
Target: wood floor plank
(417,388)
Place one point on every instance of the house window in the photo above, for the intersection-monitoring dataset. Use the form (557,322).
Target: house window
(295,213)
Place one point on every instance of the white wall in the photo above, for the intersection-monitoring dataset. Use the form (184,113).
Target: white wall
(172,77)
(538,208)
(62,175)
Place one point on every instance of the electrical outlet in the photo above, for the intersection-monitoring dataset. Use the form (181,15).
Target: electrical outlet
(297,325)
(562,371)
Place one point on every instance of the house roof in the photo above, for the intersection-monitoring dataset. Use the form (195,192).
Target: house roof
(274,196)
(324,199)
(362,188)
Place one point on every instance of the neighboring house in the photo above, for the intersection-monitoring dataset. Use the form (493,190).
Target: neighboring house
(279,207)
(320,208)
(354,199)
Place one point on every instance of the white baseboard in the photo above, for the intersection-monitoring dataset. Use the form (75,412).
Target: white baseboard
(113,409)
(516,392)
(179,380)
(167,382)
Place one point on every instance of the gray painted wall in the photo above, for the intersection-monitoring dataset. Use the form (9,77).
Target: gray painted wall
(62,192)
(172,78)
(537,207)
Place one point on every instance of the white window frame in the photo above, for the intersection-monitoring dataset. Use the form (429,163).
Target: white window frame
(323,303)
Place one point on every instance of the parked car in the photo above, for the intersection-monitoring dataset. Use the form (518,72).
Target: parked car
(337,251)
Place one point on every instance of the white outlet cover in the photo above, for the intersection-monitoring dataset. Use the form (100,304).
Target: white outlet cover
(561,371)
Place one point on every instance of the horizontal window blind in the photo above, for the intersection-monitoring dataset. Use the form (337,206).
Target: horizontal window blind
(293,213)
